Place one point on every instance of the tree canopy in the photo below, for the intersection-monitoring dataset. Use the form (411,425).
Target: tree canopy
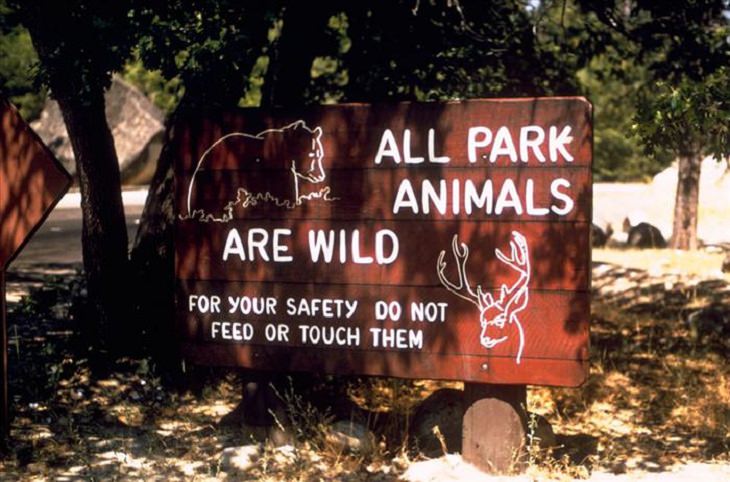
(18,62)
(683,106)
(224,53)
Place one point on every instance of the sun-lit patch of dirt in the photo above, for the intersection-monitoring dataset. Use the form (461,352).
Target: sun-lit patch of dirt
(70,424)
(665,263)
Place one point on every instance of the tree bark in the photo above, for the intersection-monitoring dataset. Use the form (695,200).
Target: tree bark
(152,258)
(303,37)
(79,90)
(104,239)
(686,204)
(153,265)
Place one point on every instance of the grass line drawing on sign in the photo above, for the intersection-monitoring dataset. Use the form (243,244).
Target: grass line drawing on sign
(295,151)
(494,314)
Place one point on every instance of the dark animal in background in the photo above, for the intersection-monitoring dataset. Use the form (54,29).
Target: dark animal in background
(644,235)
(599,237)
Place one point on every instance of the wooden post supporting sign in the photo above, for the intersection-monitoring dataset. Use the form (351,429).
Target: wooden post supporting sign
(31,183)
(495,422)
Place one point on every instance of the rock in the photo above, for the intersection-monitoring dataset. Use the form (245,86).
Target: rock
(261,416)
(443,409)
(712,176)
(36,468)
(644,235)
(711,323)
(136,124)
(240,458)
(278,437)
(285,454)
(634,219)
(271,434)
(349,436)
(714,186)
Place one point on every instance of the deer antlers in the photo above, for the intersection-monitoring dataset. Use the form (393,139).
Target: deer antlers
(512,299)
(462,290)
(520,262)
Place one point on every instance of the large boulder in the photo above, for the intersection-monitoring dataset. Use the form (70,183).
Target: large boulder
(436,426)
(714,188)
(653,203)
(713,174)
(136,124)
(350,436)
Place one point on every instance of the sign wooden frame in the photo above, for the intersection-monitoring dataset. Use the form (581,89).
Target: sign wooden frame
(488,202)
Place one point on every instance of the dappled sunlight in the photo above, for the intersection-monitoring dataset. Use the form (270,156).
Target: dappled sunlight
(213,410)
(657,398)
(669,264)
(659,390)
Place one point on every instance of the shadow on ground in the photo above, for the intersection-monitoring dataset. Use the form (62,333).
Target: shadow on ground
(659,389)
(658,395)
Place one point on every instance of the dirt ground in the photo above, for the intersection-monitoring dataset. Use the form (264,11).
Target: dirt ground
(656,404)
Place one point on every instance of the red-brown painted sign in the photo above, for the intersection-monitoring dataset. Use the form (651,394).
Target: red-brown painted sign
(31,182)
(438,240)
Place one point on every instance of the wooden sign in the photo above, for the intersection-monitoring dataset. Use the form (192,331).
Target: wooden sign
(424,240)
(31,183)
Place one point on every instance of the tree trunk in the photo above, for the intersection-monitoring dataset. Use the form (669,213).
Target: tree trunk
(303,37)
(104,238)
(153,265)
(686,204)
(152,257)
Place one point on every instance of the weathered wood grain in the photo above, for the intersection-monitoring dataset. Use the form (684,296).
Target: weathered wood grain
(222,165)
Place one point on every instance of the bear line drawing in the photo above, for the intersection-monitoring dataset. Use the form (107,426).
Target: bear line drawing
(296,146)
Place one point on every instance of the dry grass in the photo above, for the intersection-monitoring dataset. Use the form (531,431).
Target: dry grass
(658,395)
(663,262)
(659,389)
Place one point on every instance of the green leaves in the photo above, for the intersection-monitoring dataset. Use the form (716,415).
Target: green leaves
(18,66)
(79,42)
(209,47)
(689,116)
(678,101)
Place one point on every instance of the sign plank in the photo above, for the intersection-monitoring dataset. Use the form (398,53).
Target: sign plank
(31,183)
(437,240)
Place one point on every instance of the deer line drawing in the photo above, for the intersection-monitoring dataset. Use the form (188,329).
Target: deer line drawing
(493,313)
